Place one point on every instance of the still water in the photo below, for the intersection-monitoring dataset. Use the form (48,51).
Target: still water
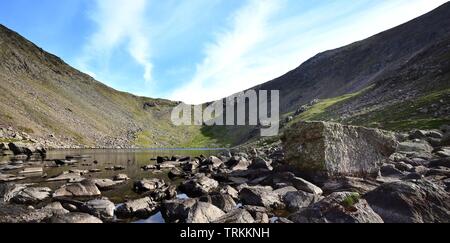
(131,160)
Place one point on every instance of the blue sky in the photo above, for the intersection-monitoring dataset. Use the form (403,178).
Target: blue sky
(198,50)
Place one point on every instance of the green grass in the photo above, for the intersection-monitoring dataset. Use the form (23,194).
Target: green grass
(320,110)
(405,116)
(351,200)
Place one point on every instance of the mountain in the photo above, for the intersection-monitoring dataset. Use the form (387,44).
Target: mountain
(44,100)
(398,79)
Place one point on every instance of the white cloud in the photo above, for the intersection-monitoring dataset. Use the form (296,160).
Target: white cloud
(261,45)
(119,22)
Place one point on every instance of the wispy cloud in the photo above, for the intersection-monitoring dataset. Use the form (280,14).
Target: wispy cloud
(118,22)
(260,44)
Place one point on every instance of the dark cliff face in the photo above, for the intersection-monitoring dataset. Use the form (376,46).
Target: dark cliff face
(361,64)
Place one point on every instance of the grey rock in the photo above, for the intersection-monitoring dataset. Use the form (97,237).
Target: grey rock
(260,163)
(297,200)
(260,196)
(203,212)
(236,216)
(32,195)
(350,184)
(223,201)
(339,207)
(190,211)
(415,201)
(141,208)
(335,150)
(199,185)
(74,218)
(121,177)
(100,208)
(149,185)
(106,184)
(85,188)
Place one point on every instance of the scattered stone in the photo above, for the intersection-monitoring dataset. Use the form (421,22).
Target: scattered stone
(121,177)
(198,186)
(149,185)
(229,191)
(258,213)
(214,161)
(32,195)
(223,201)
(417,201)
(141,208)
(100,208)
(176,173)
(260,196)
(202,212)
(236,216)
(74,218)
(66,176)
(56,208)
(86,188)
(296,200)
(238,163)
(106,184)
(339,207)
(260,163)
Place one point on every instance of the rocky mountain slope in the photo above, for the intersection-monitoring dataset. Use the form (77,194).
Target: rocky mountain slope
(44,100)
(397,80)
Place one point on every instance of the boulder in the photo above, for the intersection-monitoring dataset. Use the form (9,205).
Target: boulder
(190,211)
(86,188)
(333,149)
(121,177)
(259,214)
(106,184)
(226,189)
(19,149)
(238,163)
(339,207)
(56,208)
(149,185)
(74,218)
(213,161)
(141,208)
(260,163)
(203,212)
(9,190)
(198,186)
(223,201)
(350,184)
(414,201)
(296,200)
(32,195)
(260,196)
(100,208)
(236,216)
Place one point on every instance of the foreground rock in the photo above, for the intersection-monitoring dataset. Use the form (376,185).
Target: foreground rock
(199,185)
(190,211)
(415,201)
(260,196)
(332,149)
(75,218)
(86,188)
(237,216)
(100,208)
(141,208)
(32,195)
(339,207)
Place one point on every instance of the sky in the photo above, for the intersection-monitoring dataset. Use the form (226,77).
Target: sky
(198,50)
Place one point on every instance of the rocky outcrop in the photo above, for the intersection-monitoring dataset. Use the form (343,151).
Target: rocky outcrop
(337,150)
(413,201)
(339,207)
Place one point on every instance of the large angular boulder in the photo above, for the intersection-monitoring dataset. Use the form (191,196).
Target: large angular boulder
(414,201)
(333,149)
